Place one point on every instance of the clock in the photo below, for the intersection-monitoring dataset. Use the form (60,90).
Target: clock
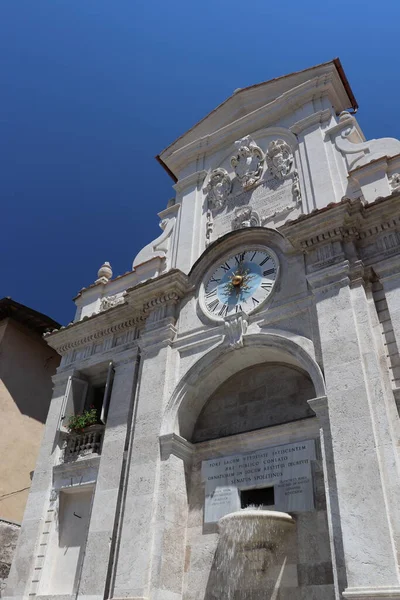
(242,282)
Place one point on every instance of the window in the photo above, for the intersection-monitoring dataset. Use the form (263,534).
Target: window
(95,398)
(81,394)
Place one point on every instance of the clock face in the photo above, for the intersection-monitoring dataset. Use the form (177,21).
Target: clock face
(242,282)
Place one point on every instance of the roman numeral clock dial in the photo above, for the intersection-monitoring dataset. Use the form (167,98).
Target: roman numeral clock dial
(240,283)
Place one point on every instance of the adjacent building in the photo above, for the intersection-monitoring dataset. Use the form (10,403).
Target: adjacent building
(250,357)
(27,365)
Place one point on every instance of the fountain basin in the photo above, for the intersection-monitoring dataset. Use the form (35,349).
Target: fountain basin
(255,526)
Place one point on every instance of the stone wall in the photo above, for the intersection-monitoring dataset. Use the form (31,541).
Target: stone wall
(260,396)
(8,540)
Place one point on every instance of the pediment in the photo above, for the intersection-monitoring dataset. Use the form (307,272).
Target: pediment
(261,104)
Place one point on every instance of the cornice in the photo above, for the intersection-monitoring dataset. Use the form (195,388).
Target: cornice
(346,220)
(94,329)
(326,225)
(139,302)
(154,290)
(319,406)
(172,443)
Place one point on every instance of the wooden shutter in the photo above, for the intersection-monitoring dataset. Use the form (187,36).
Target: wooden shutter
(74,399)
(107,393)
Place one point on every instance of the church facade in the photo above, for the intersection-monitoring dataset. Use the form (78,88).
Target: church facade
(249,358)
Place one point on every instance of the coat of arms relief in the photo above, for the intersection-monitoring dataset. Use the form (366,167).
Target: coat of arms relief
(248,162)
(260,186)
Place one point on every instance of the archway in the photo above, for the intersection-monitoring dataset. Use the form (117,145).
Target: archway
(221,363)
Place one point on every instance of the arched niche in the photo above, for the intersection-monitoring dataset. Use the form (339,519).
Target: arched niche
(259,396)
(217,366)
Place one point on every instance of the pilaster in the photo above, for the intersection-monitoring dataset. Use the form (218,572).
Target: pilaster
(388,272)
(191,227)
(100,546)
(139,557)
(359,453)
(22,580)
(320,407)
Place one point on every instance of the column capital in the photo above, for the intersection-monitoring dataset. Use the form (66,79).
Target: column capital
(193,180)
(160,336)
(60,379)
(333,276)
(124,358)
(388,269)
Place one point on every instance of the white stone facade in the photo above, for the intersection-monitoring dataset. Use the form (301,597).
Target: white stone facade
(281,166)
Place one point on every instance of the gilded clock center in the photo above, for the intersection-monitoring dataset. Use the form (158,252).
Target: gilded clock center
(237,280)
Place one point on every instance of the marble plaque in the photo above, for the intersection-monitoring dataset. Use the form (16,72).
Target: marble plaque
(221,501)
(286,467)
(269,198)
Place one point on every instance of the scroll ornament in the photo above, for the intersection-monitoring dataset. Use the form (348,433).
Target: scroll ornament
(218,188)
(279,158)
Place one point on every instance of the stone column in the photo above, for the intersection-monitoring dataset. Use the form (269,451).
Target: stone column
(142,535)
(362,448)
(95,572)
(22,579)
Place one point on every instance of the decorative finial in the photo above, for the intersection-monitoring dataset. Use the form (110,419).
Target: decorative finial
(105,273)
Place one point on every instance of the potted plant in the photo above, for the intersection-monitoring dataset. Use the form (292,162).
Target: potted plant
(80,422)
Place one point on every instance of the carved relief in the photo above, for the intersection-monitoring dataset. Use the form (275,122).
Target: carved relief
(209,227)
(235,328)
(248,162)
(349,141)
(279,158)
(245,216)
(160,247)
(218,188)
(111,301)
(296,187)
(394,181)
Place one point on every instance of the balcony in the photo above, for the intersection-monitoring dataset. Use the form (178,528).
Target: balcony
(83,444)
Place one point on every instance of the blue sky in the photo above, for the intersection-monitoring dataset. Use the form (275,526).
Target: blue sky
(92,90)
